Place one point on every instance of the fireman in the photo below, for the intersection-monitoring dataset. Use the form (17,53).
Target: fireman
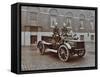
(64,30)
(56,34)
(56,30)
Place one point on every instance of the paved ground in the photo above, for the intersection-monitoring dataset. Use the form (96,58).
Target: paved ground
(32,60)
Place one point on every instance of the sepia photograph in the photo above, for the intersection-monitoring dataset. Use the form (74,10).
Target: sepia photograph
(57,38)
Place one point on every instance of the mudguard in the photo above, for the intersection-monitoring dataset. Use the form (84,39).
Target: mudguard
(68,45)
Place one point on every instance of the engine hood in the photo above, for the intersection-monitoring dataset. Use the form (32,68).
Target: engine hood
(76,40)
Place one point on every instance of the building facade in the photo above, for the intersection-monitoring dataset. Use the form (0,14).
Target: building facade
(38,23)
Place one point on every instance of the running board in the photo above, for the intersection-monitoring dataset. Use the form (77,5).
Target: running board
(51,50)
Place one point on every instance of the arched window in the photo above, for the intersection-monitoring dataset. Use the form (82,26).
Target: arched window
(82,19)
(68,19)
(53,17)
(92,22)
(33,16)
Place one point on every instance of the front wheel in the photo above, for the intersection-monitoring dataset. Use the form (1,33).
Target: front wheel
(81,53)
(63,53)
(41,47)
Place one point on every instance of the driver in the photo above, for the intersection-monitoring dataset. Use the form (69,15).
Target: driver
(56,30)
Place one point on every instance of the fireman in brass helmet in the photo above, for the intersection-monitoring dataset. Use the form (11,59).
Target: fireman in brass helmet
(56,34)
(64,30)
(56,30)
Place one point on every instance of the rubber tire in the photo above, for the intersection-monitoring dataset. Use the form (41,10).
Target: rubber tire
(66,50)
(41,47)
(81,54)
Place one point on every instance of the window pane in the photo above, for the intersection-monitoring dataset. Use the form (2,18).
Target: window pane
(33,16)
(33,39)
(68,22)
(33,19)
(82,19)
(53,21)
(81,24)
(81,37)
(92,25)
(92,37)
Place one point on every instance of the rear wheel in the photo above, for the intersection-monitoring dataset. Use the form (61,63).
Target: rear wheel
(41,47)
(63,53)
(81,53)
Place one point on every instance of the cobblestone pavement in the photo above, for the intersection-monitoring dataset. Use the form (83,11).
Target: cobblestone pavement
(32,60)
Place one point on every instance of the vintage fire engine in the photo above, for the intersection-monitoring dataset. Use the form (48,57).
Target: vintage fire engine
(65,45)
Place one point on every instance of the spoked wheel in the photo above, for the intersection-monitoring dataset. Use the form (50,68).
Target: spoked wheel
(41,47)
(81,53)
(63,53)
